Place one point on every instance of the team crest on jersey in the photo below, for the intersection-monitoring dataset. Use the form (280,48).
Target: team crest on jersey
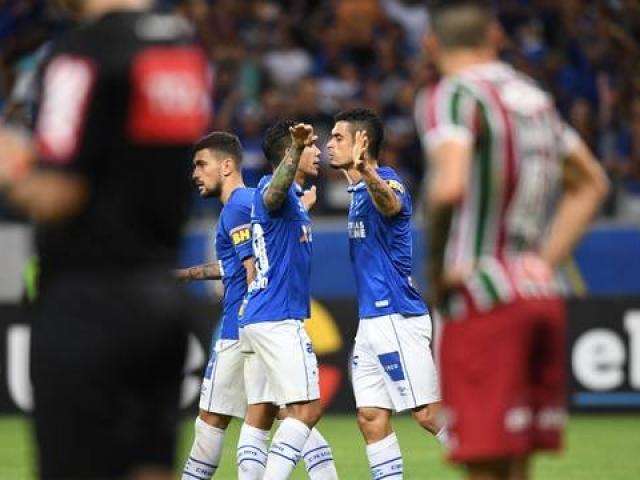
(240,234)
(396,185)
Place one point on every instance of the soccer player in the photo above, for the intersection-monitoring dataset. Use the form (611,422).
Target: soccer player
(122,101)
(392,367)
(234,378)
(278,299)
(511,190)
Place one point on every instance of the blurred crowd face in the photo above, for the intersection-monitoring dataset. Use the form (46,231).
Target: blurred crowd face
(340,146)
(310,161)
(207,173)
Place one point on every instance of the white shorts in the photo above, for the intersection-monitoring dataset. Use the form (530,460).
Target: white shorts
(286,352)
(232,380)
(392,365)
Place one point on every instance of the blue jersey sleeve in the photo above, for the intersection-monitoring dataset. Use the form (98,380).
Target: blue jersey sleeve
(395,182)
(237,224)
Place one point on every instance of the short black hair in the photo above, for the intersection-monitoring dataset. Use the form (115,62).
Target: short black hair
(367,120)
(462,24)
(223,142)
(276,140)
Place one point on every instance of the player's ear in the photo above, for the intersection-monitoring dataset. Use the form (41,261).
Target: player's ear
(228,166)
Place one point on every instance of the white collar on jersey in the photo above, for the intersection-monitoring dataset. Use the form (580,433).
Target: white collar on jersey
(358,186)
(494,67)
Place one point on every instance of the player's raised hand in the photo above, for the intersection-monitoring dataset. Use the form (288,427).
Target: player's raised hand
(302,135)
(309,198)
(360,145)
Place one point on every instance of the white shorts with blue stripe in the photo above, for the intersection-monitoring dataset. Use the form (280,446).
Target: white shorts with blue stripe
(392,365)
(285,350)
(232,380)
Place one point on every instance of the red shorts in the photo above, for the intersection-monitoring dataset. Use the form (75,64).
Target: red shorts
(503,380)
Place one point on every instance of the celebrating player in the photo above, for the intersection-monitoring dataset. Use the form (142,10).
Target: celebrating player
(393,369)
(499,156)
(278,299)
(234,379)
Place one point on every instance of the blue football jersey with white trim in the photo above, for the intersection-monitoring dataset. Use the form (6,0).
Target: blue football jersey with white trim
(282,249)
(233,246)
(380,248)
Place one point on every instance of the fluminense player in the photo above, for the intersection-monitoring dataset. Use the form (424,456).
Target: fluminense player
(232,378)
(278,299)
(392,366)
(511,190)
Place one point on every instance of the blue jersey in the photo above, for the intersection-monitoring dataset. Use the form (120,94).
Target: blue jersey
(233,245)
(282,249)
(380,249)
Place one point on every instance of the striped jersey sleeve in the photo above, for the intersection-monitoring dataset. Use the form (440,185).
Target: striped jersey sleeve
(451,113)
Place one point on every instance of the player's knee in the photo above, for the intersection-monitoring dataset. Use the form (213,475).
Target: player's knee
(215,419)
(373,422)
(309,413)
(428,416)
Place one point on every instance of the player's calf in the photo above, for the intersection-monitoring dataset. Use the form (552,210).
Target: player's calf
(207,446)
(430,418)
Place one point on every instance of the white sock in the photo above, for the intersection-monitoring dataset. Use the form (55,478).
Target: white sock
(385,459)
(318,458)
(286,449)
(443,436)
(253,444)
(205,452)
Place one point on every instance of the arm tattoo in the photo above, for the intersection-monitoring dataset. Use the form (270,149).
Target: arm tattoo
(439,225)
(384,198)
(208,271)
(282,179)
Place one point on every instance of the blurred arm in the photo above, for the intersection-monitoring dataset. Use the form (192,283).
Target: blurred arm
(585,187)
(208,271)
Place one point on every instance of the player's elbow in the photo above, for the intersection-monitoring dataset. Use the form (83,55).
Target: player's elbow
(600,184)
(441,195)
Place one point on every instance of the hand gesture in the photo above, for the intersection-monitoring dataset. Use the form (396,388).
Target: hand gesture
(309,198)
(302,135)
(360,146)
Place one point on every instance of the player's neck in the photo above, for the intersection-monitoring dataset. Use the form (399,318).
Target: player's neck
(457,61)
(232,183)
(98,8)
(300,178)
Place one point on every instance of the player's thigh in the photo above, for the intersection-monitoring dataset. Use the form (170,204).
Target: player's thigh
(257,387)
(222,390)
(367,376)
(414,345)
(290,364)
(485,386)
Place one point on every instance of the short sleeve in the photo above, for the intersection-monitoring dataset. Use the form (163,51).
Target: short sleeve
(450,112)
(237,224)
(567,138)
(401,192)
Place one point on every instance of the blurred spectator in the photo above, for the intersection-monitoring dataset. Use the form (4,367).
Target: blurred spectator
(308,59)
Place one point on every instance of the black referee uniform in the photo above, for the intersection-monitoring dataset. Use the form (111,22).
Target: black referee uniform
(122,100)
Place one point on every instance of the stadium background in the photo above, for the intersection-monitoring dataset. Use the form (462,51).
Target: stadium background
(307,60)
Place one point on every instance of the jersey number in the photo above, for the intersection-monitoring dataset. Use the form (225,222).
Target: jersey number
(262,260)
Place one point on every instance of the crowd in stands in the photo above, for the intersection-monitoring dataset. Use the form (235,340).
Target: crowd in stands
(307,59)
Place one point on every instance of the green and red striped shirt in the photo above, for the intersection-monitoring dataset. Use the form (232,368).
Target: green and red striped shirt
(519,143)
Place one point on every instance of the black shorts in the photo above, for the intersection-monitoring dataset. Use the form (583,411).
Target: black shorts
(107,358)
